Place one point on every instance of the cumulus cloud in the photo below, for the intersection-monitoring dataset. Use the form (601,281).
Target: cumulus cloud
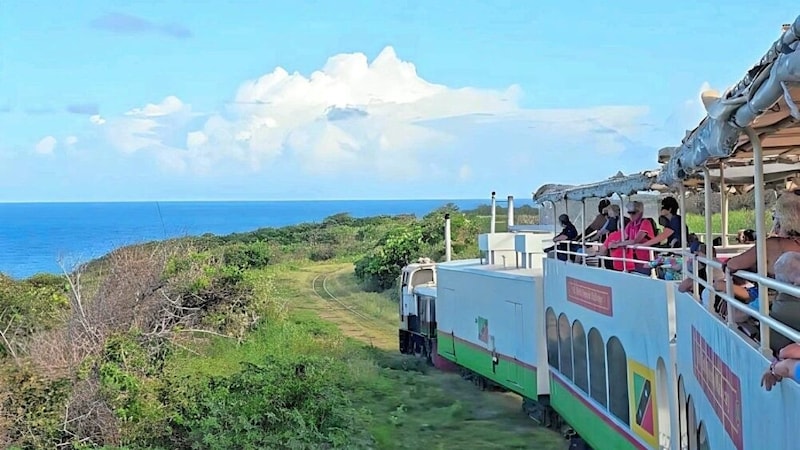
(71,140)
(380,120)
(132,25)
(46,145)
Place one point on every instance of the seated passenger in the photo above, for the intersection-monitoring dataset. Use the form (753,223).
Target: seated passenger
(786,236)
(746,237)
(698,249)
(785,307)
(568,233)
(610,225)
(672,224)
(599,221)
(636,231)
(786,365)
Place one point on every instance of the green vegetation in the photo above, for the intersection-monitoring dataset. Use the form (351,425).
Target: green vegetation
(737,220)
(253,340)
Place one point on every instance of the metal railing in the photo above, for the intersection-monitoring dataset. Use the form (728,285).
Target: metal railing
(732,304)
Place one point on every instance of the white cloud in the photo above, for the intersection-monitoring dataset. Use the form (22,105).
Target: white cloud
(71,140)
(381,122)
(46,145)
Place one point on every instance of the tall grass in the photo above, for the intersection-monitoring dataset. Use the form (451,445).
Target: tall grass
(737,220)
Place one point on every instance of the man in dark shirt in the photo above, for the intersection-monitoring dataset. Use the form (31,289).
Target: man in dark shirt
(672,231)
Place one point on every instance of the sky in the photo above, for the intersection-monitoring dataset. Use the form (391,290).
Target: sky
(264,100)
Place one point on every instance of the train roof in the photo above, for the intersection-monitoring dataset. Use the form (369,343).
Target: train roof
(426,289)
(495,270)
(764,99)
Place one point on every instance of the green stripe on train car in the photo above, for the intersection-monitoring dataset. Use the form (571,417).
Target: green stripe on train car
(598,431)
(509,373)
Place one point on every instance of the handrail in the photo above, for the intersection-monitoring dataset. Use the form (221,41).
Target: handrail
(733,303)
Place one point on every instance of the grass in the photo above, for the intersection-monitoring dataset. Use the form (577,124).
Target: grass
(737,220)
(406,403)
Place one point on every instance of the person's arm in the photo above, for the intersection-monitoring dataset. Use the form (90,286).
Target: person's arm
(749,258)
(644,231)
(791,351)
(663,236)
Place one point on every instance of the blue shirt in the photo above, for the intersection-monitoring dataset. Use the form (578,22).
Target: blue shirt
(675,225)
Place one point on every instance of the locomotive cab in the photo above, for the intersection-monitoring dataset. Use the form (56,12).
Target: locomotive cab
(418,307)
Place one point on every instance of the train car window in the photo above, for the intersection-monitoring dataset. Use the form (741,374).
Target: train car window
(702,437)
(683,420)
(565,345)
(552,338)
(580,358)
(617,380)
(597,368)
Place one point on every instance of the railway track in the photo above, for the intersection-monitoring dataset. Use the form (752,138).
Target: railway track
(369,329)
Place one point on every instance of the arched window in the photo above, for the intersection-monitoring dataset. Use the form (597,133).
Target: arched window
(683,419)
(692,423)
(702,437)
(579,357)
(617,380)
(597,368)
(552,338)
(565,345)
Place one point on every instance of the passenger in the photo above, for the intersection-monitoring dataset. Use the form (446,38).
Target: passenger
(637,231)
(785,307)
(672,224)
(698,249)
(599,221)
(786,236)
(568,233)
(746,237)
(610,225)
(786,365)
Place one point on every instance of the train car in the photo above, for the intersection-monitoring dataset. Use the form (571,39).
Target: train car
(628,360)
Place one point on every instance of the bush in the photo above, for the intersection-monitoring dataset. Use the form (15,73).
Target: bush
(254,255)
(284,403)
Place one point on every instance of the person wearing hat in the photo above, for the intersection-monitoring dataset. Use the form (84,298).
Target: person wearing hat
(638,230)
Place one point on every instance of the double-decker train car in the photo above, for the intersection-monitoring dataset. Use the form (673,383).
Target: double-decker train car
(629,360)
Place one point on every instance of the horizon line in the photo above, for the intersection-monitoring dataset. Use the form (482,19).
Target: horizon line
(488,199)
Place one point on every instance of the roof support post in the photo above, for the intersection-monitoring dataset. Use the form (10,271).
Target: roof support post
(723,204)
(494,213)
(583,230)
(761,234)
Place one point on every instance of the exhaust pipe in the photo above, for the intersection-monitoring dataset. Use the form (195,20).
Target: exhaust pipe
(494,213)
(447,241)
(510,212)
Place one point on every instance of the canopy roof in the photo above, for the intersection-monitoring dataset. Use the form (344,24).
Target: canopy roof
(775,175)
(765,99)
(618,184)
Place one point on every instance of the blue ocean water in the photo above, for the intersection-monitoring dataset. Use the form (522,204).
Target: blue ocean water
(34,236)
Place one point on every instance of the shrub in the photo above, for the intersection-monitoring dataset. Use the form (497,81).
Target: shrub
(254,255)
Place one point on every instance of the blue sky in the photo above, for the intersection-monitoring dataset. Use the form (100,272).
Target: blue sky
(350,99)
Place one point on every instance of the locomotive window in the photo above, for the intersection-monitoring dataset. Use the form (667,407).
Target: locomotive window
(552,338)
(565,345)
(597,368)
(617,380)
(580,358)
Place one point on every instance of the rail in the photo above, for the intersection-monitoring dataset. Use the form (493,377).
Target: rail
(652,251)
(733,304)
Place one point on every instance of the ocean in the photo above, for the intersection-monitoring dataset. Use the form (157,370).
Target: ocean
(34,237)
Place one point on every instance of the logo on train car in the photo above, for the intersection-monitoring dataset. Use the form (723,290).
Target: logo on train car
(483,329)
(720,385)
(642,398)
(591,296)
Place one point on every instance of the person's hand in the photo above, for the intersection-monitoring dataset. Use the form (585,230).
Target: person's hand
(769,379)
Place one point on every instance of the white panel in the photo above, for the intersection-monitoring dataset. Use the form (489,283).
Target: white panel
(712,355)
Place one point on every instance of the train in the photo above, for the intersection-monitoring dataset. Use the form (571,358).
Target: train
(623,360)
